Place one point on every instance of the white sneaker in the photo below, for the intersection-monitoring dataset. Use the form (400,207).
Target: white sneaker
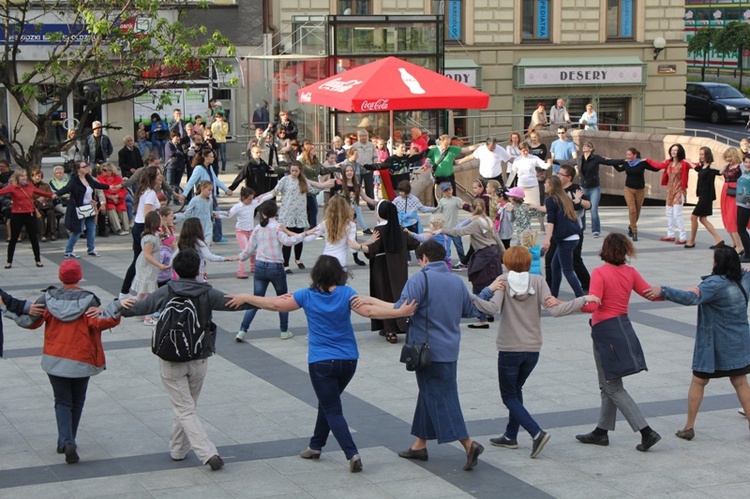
(149,321)
(285,335)
(240,335)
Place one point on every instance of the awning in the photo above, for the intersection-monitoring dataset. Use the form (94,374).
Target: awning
(579,71)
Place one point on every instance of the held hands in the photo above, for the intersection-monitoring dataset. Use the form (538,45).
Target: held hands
(592,299)
(232,258)
(551,301)
(230,192)
(353,244)
(236,301)
(93,312)
(179,197)
(498,284)
(37,309)
(653,293)
(163,266)
(127,303)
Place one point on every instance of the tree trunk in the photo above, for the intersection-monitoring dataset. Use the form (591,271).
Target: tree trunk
(739,61)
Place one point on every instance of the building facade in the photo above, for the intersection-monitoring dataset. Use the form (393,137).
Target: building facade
(523,52)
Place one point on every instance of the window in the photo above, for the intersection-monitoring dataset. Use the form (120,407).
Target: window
(535,20)
(453,10)
(355,7)
(620,19)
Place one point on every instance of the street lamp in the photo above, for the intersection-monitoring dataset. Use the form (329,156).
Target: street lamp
(659,44)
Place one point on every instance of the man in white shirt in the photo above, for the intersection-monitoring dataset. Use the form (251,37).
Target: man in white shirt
(492,160)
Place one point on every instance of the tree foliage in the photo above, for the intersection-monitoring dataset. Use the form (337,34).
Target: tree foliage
(701,42)
(733,37)
(112,51)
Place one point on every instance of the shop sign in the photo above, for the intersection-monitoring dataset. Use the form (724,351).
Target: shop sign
(465,76)
(586,75)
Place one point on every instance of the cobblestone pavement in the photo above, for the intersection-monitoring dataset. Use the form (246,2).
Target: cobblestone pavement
(259,408)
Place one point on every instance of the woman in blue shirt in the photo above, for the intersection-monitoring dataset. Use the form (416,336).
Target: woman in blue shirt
(722,337)
(332,348)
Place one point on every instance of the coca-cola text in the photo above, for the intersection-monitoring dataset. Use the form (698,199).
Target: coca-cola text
(378,105)
(305,96)
(339,85)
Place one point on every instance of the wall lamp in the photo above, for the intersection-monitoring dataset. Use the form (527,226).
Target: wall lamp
(659,45)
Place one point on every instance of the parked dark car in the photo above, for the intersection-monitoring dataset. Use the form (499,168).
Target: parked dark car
(717,102)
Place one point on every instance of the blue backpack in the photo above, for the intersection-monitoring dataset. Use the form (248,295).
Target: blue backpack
(743,188)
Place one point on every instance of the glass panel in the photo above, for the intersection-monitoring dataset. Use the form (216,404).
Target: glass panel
(613,10)
(416,39)
(56,132)
(377,123)
(613,110)
(354,7)
(309,38)
(527,19)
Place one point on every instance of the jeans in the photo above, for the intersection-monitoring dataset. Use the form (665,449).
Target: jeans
(595,195)
(578,266)
(217,230)
(438,413)
(159,146)
(329,379)
(130,274)
(267,273)
(174,176)
(459,244)
(562,264)
(222,156)
(129,206)
(513,369)
(312,210)
(90,225)
(183,382)
(70,395)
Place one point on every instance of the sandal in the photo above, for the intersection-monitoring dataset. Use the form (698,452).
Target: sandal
(391,338)
(39,264)
(8,265)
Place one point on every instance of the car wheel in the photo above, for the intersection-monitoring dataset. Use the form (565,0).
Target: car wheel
(715,116)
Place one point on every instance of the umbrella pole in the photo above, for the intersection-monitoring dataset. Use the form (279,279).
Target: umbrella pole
(390,127)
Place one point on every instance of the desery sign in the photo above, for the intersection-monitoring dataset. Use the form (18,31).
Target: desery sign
(587,75)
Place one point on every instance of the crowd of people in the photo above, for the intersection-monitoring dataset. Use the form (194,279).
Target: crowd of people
(282,187)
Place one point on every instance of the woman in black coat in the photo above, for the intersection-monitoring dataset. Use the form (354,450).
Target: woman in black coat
(81,210)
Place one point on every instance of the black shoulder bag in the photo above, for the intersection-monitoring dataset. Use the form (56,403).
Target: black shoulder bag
(416,356)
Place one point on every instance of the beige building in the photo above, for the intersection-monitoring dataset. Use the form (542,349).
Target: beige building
(523,52)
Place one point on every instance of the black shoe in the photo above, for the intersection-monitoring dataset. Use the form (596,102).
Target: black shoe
(479,326)
(590,438)
(358,261)
(215,462)
(635,236)
(648,442)
(503,441)
(367,231)
(60,450)
(490,318)
(539,443)
(473,455)
(71,456)
(630,231)
(419,455)
(717,245)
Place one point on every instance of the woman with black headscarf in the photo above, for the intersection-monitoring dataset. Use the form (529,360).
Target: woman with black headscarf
(388,255)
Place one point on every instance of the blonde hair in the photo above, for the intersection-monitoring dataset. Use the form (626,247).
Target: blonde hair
(437,220)
(528,238)
(337,219)
(494,185)
(734,154)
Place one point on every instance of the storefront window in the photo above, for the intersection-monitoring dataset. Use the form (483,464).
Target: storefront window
(612,112)
(620,19)
(56,131)
(396,40)
(535,20)
(309,35)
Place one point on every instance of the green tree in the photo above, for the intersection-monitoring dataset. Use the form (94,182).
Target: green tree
(700,44)
(101,58)
(733,37)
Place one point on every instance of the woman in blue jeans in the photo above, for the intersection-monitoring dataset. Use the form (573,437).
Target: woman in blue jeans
(519,299)
(332,348)
(588,173)
(266,242)
(562,226)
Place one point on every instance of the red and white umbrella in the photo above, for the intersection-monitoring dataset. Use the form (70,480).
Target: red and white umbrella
(391,84)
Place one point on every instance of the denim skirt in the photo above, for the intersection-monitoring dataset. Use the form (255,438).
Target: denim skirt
(438,413)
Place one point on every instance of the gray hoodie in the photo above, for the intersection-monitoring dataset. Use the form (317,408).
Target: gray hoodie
(192,289)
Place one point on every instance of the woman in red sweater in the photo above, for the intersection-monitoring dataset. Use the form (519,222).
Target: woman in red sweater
(613,283)
(23,214)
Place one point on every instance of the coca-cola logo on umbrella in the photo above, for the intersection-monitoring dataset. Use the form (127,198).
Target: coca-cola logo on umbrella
(339,85)
(377,105)
(305,97)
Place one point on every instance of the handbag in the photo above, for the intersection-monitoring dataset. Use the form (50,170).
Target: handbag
(732,191)
(618,347)
(416,356)
(85,211)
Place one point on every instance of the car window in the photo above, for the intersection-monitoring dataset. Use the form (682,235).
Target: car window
(725,92)
(691,89)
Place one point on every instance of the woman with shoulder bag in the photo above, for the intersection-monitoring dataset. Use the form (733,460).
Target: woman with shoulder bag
(81,211)
(613,283)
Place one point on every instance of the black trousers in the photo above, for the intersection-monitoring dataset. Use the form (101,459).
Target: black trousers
(130,274)
(287,250)
(369,180)
(578,266)
(17,222)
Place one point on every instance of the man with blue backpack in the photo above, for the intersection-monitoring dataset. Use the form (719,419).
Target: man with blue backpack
(184,338)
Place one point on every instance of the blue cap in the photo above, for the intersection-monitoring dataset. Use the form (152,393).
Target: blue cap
(445,186)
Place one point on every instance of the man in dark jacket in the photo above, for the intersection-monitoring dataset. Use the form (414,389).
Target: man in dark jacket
(183,380)
(97,148)
(255,173)
(129,158)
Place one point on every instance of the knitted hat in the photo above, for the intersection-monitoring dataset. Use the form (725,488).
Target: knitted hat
(70,272)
